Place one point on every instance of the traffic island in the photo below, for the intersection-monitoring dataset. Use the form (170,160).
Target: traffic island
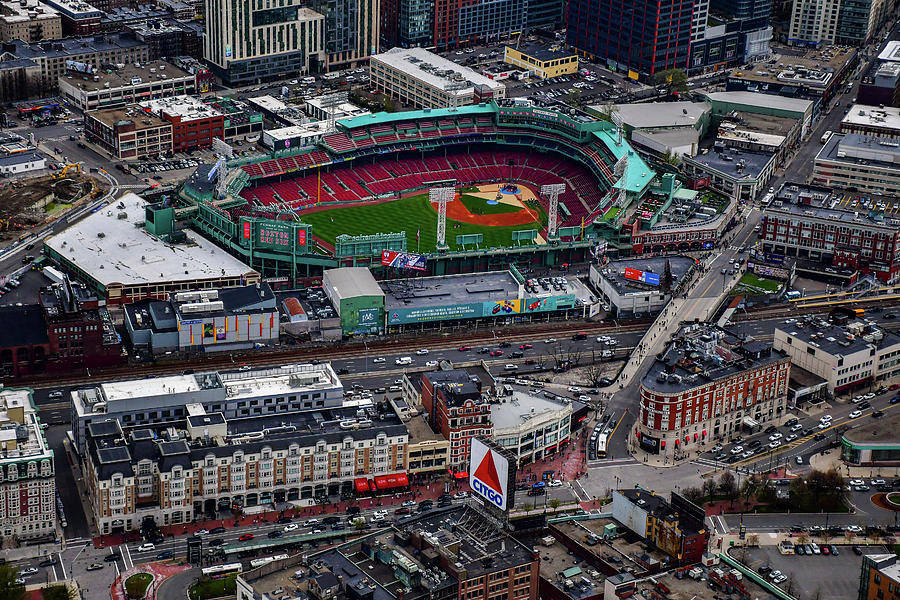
(136,585)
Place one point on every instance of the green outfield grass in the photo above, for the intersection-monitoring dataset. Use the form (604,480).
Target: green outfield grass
(479,206)
(408,214)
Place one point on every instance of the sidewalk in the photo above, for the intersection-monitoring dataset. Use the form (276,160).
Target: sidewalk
(266,514)
(832,459)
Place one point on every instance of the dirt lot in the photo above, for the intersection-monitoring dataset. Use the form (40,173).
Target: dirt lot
(20,201)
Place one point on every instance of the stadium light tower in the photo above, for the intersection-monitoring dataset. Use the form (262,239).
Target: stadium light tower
(553,191)
(442,196)
(620,170)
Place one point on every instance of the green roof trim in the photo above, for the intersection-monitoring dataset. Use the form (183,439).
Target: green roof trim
(382,118)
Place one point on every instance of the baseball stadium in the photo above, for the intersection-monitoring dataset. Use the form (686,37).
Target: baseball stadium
(470,188)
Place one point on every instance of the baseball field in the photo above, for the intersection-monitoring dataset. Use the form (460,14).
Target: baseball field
(470,213)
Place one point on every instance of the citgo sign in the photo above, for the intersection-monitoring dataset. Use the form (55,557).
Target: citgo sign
(489,474)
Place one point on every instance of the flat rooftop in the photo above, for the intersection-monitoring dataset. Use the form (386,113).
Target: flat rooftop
(115,391)
(420,431)
(891,52)
(279,380)
(411,61)
(15,12)
(73,46)
(703,354)
(660,114)
(425,292)
(125,77)
(314,129)
(875,116)
(614,271)
(839,339)
(814,69)
(24,433)
(115,250)
(737,164)
(817,201)
(863,150)
(78,9)
(188,108)
(128,114)
(543,53)
(763,100)
(520,408)
(876,433)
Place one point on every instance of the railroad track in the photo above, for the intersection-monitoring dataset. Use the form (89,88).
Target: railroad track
(294,354)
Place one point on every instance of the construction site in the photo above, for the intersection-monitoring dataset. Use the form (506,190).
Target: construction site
(28,203)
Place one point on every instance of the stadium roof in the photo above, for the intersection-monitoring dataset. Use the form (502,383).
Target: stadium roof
(639,175)
(411,115)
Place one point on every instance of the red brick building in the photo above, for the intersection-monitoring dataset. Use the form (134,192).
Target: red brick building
(709,385)
(456,410)
(80,331)
(194,123)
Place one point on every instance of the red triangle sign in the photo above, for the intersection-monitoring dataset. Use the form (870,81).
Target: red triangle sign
(487,472)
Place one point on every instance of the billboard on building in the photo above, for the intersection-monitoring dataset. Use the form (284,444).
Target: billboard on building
(368,318)
(477,310)
(642,276)
(425,314)
(491,473)
(403,260)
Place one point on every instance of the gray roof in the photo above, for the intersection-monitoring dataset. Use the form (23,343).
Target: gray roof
(614,271)
(702,354)
(21,158)
(353,282)
(838,340)
(726,162)
(661,114)
(761,100)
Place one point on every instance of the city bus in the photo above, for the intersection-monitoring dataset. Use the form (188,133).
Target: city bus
(217,571)
(602,440)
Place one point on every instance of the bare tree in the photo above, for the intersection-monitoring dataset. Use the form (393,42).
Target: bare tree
(709,487)
(728,486)
(593,374)
(694,494)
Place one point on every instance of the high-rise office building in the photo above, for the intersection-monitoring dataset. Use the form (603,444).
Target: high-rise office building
(848,22)
(642,37)
(460,22)
(252,42)
(352,30)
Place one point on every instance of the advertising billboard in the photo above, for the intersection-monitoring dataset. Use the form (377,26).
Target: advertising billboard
(403,260)
(642,276)
(477,310)
(427,314)
(490,474)
(368,318)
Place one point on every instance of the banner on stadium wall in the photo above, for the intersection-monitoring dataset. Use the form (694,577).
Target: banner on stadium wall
(403,260)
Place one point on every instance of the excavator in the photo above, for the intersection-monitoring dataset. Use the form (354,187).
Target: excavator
(62,173)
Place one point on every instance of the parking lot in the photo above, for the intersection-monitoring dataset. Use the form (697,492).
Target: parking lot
(812,577)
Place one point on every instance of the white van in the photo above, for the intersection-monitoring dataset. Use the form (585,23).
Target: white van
(403,360)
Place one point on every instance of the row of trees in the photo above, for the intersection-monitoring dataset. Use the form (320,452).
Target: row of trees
(818,491)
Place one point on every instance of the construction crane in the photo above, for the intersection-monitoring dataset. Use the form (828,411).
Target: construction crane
(62,173)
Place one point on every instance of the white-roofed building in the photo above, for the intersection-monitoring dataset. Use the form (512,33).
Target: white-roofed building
(115,255)
(531,426)
(255,393)
(422,79)
(357,298)
(883,122)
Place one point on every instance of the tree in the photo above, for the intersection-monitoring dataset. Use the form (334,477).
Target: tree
(574,97)
(9,589)
(666,285)
(727,483)
(694,494)
(593,374)
(554,503)
(709,487)
(749,489)
(675,80)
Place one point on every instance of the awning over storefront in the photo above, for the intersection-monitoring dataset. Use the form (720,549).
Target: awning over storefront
(362,486)
(462,475)
(387,482)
